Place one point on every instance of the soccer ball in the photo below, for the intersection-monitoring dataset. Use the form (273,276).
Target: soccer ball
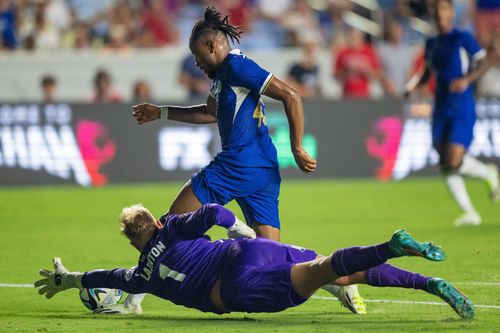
(97,298)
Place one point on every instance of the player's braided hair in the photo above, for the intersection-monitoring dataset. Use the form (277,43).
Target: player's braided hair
(215,21)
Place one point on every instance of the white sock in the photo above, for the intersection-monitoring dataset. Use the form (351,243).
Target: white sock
(134,299)
(456,186)
(473,167)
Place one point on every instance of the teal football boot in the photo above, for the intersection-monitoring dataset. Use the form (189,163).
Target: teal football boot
(459,302)
(402,244)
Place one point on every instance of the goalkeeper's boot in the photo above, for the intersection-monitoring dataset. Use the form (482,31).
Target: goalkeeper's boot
(493,182)
(348,296)
(402,244)
(459,302)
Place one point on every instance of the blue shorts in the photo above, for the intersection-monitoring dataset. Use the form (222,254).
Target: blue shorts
(458,129)
(255,189)
(256,276)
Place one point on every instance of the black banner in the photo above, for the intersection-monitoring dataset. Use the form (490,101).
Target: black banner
(94,145)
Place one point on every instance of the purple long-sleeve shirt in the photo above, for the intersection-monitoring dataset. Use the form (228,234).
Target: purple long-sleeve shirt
(179,264)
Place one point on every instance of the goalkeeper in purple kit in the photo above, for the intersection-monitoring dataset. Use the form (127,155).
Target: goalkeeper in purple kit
(180,264)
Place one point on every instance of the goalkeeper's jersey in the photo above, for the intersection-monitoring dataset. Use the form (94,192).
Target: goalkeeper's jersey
(179,264)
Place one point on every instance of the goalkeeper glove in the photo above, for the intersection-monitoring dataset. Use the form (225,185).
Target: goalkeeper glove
(58,280)
(240,229)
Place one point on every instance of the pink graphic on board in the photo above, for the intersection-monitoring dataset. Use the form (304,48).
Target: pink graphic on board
(96,147)
(383,143)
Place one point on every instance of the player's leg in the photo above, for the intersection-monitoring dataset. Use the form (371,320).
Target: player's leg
(448,157)
(260,207)
(345,289)
(347,261)
(257,277)
(451,157)
(367,265)
(267,231)
(459,139)
(386,275)
(185,201)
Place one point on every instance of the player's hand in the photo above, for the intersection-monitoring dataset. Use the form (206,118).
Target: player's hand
(119,309)
(53,282)
(459,85)
(146,112)
(305,162)
(240,229)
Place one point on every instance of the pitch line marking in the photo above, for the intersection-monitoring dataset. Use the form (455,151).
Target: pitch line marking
(405,302)
(16,285)
(24,285)
(472,283)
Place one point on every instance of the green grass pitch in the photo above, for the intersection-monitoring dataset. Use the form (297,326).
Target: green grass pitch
(80,225)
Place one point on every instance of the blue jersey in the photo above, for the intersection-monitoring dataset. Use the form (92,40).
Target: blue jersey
(451,56)
(241,115)
(179,264)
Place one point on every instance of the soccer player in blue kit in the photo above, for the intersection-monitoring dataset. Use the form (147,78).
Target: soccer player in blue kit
(458,62)
(247,169)
(180,264)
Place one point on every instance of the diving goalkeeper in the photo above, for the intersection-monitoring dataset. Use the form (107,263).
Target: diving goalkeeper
(180,264)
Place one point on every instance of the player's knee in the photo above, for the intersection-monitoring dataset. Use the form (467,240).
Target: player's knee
(450,165)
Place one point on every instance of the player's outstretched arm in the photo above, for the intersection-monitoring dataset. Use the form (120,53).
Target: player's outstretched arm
(58,280)
(292,102)
(194,114)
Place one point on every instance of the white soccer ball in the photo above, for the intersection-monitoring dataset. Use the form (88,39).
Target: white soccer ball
(97,298)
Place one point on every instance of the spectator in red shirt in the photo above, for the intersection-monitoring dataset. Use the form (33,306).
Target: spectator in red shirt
(357,63)
(487,21)
(158,23)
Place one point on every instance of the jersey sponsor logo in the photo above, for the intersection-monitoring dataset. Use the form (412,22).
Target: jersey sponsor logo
(43,138)
(128,274)
(151,257)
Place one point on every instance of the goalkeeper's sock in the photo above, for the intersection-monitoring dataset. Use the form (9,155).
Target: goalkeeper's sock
(386,275)
(355,259)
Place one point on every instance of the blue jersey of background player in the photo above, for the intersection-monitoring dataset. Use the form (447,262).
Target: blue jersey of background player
(247,168)
(458,60)
(178,263)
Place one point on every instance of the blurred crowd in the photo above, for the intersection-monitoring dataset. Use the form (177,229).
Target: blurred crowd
(360,54)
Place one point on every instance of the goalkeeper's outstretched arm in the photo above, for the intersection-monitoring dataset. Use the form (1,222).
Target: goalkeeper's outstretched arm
(194,225)
(53,282)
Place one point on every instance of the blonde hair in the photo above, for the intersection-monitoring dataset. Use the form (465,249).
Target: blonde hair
(136,221)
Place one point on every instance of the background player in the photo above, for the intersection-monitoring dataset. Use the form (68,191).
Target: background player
(458,61)
(180,264)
